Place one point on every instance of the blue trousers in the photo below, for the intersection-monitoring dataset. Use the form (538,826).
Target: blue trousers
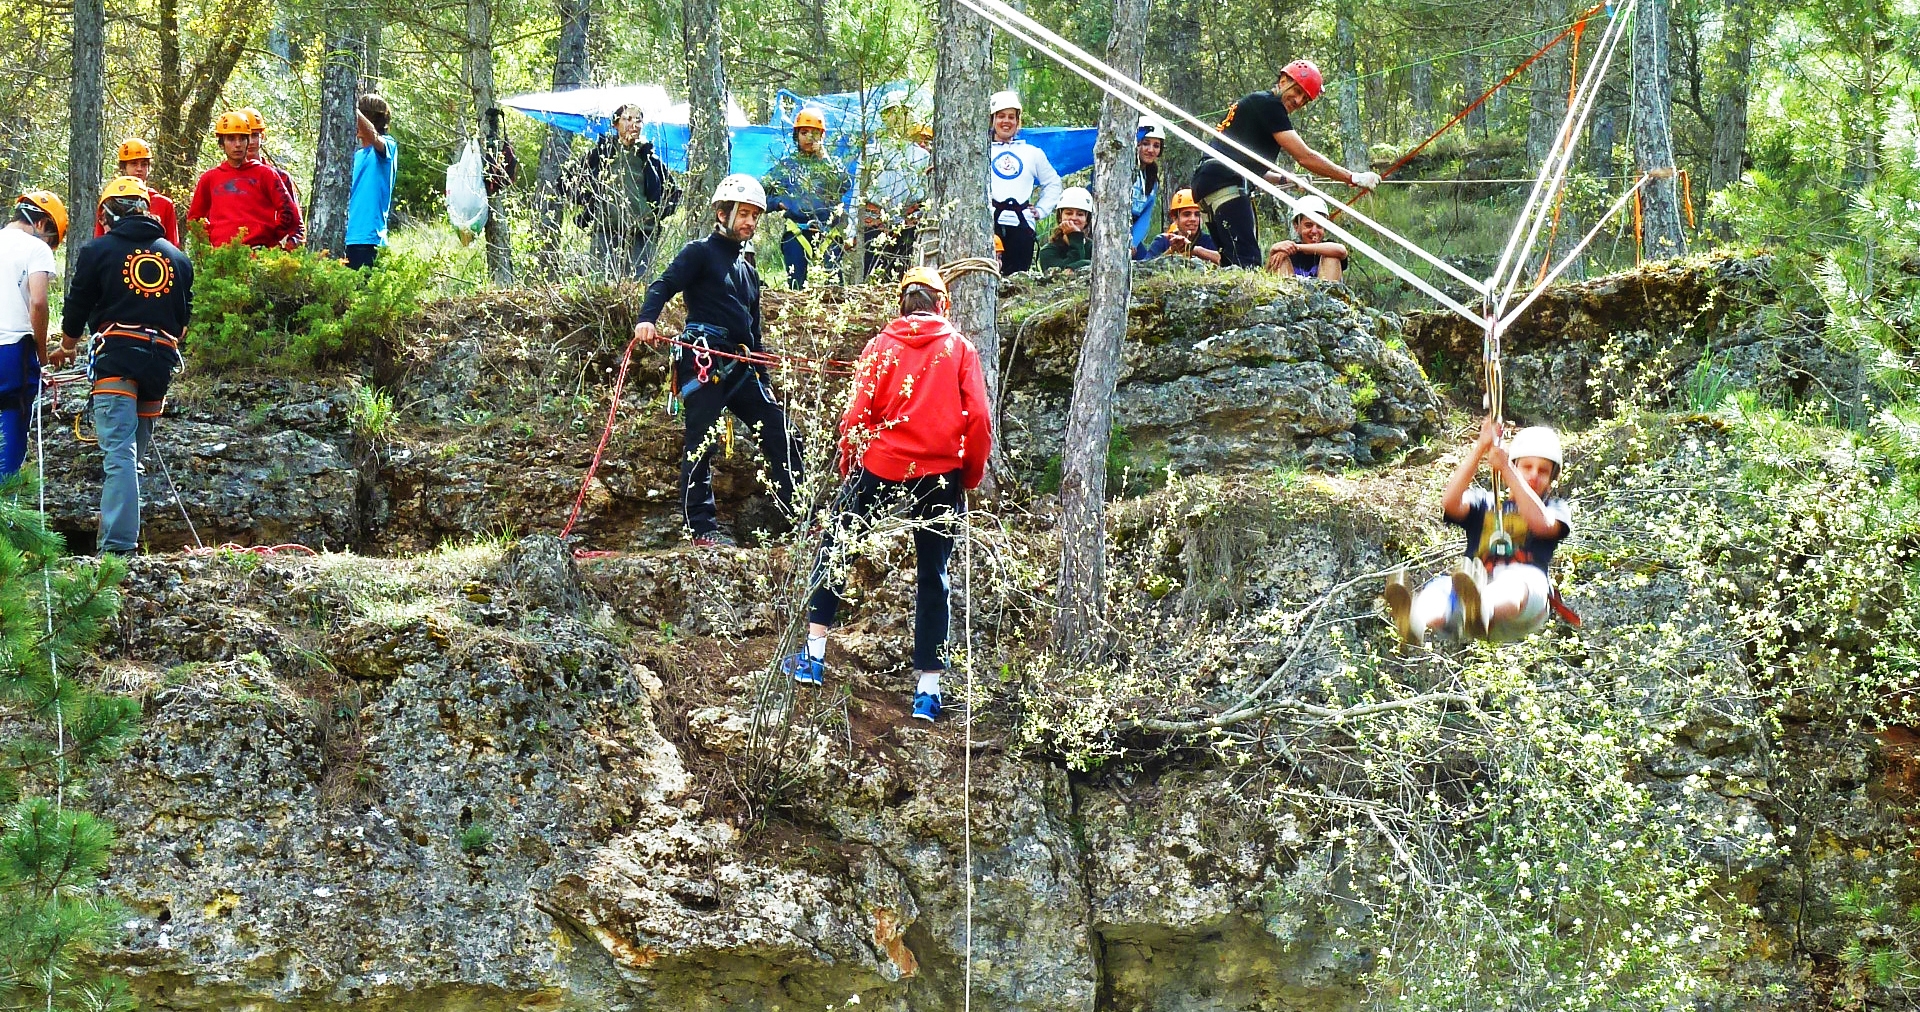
(124,438)
(19,381)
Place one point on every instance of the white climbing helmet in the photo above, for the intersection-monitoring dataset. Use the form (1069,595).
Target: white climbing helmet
(1077,197)
(1150,128)
(1003,100)
(1310,202)
(1537,441)
(740,188)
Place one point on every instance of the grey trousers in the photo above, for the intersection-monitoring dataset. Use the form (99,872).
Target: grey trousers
(124,439)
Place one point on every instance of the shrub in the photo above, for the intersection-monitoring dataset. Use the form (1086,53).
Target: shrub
(288,310)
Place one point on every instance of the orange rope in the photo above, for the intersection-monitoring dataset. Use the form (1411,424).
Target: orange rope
(1639,234)
(1559,198)
(1686,196)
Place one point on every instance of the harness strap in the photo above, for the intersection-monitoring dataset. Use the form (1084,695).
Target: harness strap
(149,409)
(116,386)
(1561,608)
(137,333)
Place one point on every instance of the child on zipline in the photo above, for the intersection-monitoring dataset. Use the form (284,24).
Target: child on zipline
(914,439)
(1500,590)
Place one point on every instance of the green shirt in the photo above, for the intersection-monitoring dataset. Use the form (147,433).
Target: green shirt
(1072,251)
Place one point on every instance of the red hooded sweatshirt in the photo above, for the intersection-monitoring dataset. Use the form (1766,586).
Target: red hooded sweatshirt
(252,197)
(919,404)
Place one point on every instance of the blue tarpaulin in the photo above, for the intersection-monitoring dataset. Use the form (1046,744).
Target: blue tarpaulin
(588,111)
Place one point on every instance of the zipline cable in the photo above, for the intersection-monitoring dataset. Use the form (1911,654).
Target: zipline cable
(981,8)
(1006,18)
(1510,267)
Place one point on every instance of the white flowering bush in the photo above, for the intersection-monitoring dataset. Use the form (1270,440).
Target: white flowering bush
(1556,824)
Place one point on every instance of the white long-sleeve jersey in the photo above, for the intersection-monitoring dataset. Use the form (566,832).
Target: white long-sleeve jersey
(1013,170)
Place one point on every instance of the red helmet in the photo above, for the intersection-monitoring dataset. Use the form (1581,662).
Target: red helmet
(1306,75)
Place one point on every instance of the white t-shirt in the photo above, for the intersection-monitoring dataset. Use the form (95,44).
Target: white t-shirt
(21,254)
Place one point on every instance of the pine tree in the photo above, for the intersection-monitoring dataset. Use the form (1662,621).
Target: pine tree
(53,727)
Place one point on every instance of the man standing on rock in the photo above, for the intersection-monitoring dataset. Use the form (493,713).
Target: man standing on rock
(26,273)
(722,291)
(1262,123)
(134,290)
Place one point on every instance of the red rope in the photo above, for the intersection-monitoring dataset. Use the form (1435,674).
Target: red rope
(1578,26)
(252,549)
(824,367)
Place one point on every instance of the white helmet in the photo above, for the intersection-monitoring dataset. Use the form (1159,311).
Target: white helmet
(1310,202)
(1077,197)
(740,188)
(1003,100)
(1150,127)
(1537,441)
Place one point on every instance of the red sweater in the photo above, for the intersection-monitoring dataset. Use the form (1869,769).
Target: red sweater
(919,404)
(162,207)
(252,197)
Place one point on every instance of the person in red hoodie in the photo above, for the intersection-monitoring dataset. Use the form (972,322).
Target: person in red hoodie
(136,160)
(241,193)
(915,438)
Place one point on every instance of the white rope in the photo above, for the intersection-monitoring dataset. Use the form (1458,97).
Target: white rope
(966,597)
(1560,157)
(986,9)
(46,588)
(1540,289)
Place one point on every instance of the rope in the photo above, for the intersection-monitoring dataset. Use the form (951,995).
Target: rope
(175,489)
(1109,80)
(53,656)
(606,433)
(1578,26)
(262,550)
(966,565)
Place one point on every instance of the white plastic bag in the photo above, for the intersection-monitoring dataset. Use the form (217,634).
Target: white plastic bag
(467,191)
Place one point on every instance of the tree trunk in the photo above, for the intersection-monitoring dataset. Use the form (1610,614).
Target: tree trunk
(1547,86)
(1346,70)
(184,97)
(1603,132)
(86,105)
(15,128)
(1730,106)
(1420,83)
(570,71)
(342,64)
(1186,88)
(1016,55)
(957,192)
(1475,75)
(1653,134)
(370,49)
(709,149)
(1081,593)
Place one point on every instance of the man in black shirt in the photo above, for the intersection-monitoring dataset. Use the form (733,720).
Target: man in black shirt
(134,291)
(1261,122)
(722,291)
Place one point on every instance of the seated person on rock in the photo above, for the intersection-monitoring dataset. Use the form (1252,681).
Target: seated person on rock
(1500,590)
(1307,254)
(1184,238)
(914,439)
(1070,248)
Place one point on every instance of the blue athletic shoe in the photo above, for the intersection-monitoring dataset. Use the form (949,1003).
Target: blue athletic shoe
(926,706)
(804,669)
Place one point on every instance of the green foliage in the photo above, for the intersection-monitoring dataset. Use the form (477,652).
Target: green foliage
(372,413)
(56,727)
(476,838)
(1708,384)
(293,310)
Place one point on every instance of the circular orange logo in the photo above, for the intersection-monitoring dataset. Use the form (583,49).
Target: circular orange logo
(147,273)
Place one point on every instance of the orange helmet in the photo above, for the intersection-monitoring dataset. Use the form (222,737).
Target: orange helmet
(925,276)
(1182,199)
(255,124)
(133,149)
(52,206)
(231,124)
(125,186)
(810,118)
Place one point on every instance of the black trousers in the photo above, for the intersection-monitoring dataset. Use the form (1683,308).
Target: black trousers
(934,501)
(1016,241)
(745,392)
(1231,222)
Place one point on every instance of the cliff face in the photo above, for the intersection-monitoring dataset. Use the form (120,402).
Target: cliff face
(461,770)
